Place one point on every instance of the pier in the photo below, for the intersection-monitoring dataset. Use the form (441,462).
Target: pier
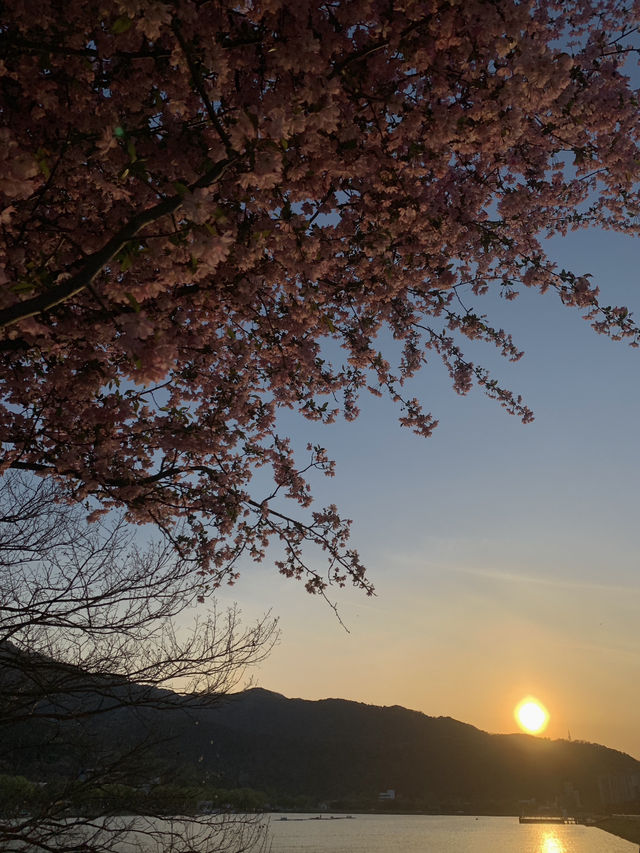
(546,819)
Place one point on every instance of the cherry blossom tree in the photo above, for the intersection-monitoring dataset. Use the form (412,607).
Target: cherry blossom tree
(200,201)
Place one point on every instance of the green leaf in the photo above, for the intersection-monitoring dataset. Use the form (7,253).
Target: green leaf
(43,165)
(23,286)
(121,25)
(131,150)
(329,323)
(133,302)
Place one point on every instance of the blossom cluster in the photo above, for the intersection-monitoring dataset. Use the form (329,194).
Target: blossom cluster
(200,201)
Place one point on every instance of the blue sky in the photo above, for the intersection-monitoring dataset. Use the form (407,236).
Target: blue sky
(504,556)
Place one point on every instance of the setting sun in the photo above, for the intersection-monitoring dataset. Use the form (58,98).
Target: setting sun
(531,716)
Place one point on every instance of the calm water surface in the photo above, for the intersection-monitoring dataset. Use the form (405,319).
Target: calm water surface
(437,834)
(362,834)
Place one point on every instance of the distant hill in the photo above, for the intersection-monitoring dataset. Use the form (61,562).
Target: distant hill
(338,750)
(334,751)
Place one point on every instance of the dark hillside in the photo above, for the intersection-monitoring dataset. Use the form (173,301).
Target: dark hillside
(334,749)
(331,750)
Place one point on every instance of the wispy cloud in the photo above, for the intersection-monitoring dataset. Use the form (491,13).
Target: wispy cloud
(545,580)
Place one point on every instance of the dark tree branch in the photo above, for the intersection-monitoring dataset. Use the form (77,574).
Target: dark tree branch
(96,262)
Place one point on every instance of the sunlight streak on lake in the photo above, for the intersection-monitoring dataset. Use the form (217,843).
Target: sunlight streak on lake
(435,834)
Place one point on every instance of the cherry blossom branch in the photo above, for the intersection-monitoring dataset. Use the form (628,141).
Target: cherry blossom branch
(96,262)
(199,84)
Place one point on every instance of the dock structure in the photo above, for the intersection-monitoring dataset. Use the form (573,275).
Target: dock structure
(547,819)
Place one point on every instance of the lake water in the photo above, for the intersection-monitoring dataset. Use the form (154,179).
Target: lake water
(437,834)
(362,834)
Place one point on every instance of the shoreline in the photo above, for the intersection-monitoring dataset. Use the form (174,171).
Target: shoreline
(624,827)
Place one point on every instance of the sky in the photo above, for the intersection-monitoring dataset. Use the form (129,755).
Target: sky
(504,556)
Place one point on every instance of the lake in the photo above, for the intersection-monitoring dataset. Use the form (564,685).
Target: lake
(437,834)
(362,834)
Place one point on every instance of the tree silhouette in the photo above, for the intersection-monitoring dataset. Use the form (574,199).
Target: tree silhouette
(92,650)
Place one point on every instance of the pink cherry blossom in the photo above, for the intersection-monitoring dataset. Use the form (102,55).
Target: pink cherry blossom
(199,202)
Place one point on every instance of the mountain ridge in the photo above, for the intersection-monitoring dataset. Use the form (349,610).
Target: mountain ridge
(330,750)
(353,749)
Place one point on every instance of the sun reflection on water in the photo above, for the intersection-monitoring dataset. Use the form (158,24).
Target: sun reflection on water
(552,844)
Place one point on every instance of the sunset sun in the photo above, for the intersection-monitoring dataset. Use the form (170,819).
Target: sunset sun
(531,716)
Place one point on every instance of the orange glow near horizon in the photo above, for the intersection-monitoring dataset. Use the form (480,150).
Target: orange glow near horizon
(531,715)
